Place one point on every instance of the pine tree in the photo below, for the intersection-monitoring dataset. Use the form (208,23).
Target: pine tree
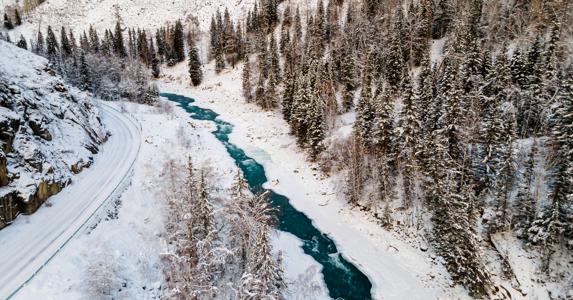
(247,83)
(118,44)
(408,138)
(39,44)
(264,277)
(288,94)
(299,110)
(155,70)
(94,40)
(395,66)
(65,42)
(178,42)
(203,211)
(260,96)
(52,46)
(347,75)
(381,130)
(518,68)
(271,94)
(505,172)
(365,111)
(274,57)
(8,22)
(195,66)
(525,203)
(73,42)
(84,74)
(317,126)
(219,62)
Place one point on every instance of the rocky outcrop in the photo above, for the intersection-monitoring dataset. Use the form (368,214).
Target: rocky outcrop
(48,132)
(9,209)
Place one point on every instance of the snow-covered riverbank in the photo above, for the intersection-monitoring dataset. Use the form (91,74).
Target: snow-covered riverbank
(126,248)
(397,269)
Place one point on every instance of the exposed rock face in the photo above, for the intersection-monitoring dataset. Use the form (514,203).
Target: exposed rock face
(48,132)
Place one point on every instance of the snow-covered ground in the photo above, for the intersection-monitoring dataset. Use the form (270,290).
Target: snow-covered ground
(78,15)
(131,243)
(33,240)
(397,269)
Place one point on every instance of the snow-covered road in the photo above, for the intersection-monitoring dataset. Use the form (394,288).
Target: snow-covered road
(30,243)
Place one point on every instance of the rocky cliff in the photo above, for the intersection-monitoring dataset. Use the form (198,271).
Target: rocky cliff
(48,132)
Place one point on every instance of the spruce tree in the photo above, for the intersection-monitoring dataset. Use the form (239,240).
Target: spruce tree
(518,68)
(195,66)
(381,126)
(288,94)
(178,42)
(94,40)
(260,96)
(40,43)
(408,138)
(155,70)
(65,42)
(271,93)
(365,111)
(274,58)
(247,80)
(84,74)
(301,101)
(525,204)
(52,46)
(118,44)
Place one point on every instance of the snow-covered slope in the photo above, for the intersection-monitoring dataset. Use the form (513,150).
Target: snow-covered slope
(78,15)
(48,132)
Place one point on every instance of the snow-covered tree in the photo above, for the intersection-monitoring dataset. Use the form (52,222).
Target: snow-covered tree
(195,71)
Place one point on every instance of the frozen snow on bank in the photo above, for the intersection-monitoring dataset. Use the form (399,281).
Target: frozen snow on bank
(396,269)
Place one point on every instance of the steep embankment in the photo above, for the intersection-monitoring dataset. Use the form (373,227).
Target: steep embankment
(48,132)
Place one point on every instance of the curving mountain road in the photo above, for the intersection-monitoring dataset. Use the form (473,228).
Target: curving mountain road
(30,243)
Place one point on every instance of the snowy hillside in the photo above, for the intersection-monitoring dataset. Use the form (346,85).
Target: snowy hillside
(102,14)
(48,132)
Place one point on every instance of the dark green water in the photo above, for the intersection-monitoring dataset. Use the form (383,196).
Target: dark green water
(343,280)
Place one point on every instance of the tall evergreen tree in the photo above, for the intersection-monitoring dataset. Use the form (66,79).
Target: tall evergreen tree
(84,74)
(155,70)
(39,49)
(118,44)
(195,66)
(52,46)
(178,42)
(65,42)
(247,81)
(365,111)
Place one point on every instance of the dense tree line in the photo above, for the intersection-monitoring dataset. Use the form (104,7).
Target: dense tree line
(439,134)
(105,66)
(215,250)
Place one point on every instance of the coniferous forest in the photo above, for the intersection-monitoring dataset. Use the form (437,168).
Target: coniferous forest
(477,136)
(447,121)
